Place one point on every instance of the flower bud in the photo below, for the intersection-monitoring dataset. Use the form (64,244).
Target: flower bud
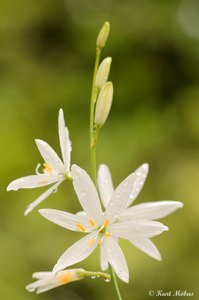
(103,105)
(103,35)
(103,72)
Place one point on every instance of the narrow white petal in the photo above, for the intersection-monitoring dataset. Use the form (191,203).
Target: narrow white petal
(105,184)
(32,286)
(42,197)
(138,229)
(87,194)
(33,181)
(41,275)
(66,220)
(47,287)
(43,284)
(50,156)
(148,247)
(65,143)
(140,177)
(150,210)
(119,199)
(77,252)
(103,260)
(116,258)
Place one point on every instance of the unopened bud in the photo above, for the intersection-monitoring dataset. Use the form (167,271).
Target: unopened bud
(103,72)
(103,105)
(103,35)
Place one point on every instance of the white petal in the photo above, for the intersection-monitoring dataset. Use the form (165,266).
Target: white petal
(41,198)
(138,229)
(150,210)
(65,143)
(66,220)
(119,199)
(47,287)
(116,258)
(42,285)
(103,260)
(87,194)
(50,156)
(33,181)
(105,184)
(140,177)
(77,252)
(148,247)
(41,275)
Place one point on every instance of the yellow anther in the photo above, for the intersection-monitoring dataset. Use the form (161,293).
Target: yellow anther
(100,242)
(91,241)
(81,227)
(108,234)
(92,223)
(47,168)
(106,223)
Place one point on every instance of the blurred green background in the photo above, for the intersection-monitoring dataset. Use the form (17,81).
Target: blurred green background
(46,62)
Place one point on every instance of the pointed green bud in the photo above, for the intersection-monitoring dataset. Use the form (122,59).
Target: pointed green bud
(103,105)
(103,35)
(103,72)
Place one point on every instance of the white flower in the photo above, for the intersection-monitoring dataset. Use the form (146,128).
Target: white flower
(144,211)
(49,280)
(55,170)
(102,228)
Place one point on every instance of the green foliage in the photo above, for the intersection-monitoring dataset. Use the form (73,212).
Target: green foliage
(46,62)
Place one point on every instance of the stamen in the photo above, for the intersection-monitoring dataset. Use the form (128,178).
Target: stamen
(91,241)
(108,234)
(47,168)
(100,242)
(92,222)
(81,227)
(106,223)
(37,169)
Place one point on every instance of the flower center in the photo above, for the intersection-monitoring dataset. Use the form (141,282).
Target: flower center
(65,277)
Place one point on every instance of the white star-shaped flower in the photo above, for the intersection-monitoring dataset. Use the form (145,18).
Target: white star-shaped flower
(49,280)
(55,170)
(103,228)
(144,211)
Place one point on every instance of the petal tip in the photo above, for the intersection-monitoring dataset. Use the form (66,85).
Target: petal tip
(180,205)
(145,166)
(12,187)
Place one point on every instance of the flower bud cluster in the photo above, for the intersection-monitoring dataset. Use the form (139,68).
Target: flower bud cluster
(104,87)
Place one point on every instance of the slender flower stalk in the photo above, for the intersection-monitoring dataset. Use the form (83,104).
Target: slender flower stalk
(94,93)
(101,40)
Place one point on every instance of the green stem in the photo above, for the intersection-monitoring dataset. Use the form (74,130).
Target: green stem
(114,282)
(93,141)
(93,274)
(94,93)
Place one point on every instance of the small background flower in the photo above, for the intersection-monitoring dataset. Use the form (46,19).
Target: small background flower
(46,62)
